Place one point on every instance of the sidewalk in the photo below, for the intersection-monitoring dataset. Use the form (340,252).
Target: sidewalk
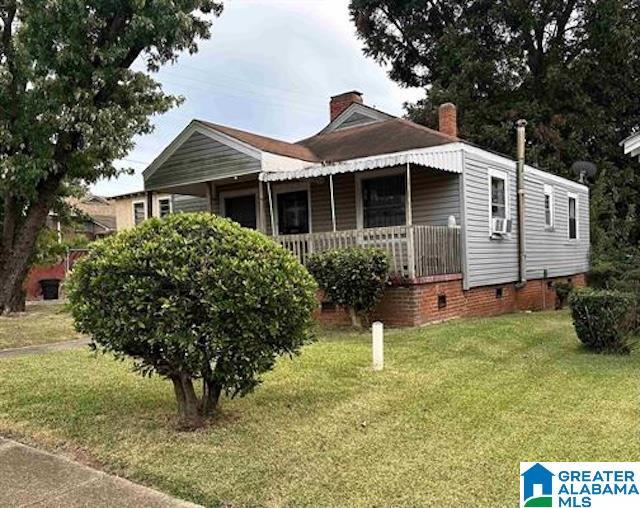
(43,348)
(29,477)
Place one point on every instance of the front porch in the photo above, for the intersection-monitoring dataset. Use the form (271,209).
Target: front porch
(414,251)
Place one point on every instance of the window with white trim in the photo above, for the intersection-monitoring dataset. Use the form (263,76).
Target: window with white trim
(548,206)
(164,206)
(573,216)
(139,212)
(498,189)
(383,201)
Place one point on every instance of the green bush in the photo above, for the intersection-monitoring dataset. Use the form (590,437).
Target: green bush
(354,278)
(605,320)
(563,290)
(194,296)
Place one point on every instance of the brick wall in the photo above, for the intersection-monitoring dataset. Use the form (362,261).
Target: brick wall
(439,299)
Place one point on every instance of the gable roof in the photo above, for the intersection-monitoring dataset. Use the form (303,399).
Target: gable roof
(356,114)
(387,136)
(265,143)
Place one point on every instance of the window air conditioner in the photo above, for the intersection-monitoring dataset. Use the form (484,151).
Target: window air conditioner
(501,226)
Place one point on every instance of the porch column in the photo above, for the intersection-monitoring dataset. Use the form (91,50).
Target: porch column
(411,257)
(271,211)
(211,196)
(149,204)
(262,212)
(333,204)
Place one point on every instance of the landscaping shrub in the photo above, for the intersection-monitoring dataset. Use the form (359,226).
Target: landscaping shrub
(563,290)
(354,278)
(194,296)
(605,320)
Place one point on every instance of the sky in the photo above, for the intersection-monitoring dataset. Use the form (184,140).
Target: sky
(270,67)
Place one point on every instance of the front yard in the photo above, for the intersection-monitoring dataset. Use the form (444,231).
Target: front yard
(42,323)
(458,406)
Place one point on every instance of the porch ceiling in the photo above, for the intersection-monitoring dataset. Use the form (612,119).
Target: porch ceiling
(448,157)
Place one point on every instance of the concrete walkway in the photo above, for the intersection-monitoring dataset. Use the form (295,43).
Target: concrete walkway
(43,348)
(29,477)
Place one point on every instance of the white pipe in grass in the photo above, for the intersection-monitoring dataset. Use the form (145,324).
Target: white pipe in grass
(377,330)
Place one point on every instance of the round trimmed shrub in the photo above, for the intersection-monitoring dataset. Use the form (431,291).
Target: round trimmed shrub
(194,296)
(605,321)
(354,278)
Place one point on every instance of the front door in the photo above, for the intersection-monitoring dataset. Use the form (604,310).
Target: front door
(242,209)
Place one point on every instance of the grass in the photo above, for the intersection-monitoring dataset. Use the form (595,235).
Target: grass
(447,422)
(40,324)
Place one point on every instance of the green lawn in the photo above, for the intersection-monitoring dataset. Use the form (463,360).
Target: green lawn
(41,324)
(447,422)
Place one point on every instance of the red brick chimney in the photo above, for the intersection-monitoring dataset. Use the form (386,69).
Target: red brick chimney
(341,102)
(448,119)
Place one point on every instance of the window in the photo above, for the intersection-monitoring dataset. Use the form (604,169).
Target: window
(498,195)
(573,216)
(164,206)
(241,209)
(139,212)
(383,201)
(442,301)
(548,206)
(293,213)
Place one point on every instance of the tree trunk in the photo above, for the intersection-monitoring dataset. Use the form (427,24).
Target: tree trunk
(15,258)
(187,401)
(211,388)
(356,322)
(18,301)
(210,397)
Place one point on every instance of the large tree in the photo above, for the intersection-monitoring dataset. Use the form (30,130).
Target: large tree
(70,101)
(570,67)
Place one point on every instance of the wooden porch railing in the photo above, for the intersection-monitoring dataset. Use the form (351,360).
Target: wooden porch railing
(414,251)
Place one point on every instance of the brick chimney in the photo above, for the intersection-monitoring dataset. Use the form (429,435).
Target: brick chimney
(341,102)
(448,119)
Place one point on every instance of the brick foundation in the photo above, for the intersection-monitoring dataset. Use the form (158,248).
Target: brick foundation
(423,301)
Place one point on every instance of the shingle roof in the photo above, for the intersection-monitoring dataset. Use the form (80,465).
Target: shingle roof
(266,144)
(388,136)
(377,138)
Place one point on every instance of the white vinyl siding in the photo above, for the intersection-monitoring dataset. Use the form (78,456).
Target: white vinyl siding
(549,250)
(489,260)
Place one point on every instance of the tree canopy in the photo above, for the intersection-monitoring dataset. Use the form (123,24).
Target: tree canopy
(70,101)
(571,68)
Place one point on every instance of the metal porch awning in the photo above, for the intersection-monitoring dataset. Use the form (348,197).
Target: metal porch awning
(447,157)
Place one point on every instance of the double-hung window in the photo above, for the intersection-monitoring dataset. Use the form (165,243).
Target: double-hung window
(548,206)
(573,216)
(383,201)
(164,206)
(139,212)
(498,201)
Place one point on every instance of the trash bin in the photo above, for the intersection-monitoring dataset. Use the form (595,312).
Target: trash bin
(50,289)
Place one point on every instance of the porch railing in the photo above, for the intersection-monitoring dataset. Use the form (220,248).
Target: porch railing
(414,251)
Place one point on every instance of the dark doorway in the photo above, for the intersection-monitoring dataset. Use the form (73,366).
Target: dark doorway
(242,209)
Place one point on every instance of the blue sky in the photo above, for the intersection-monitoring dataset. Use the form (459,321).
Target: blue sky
(270,68)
